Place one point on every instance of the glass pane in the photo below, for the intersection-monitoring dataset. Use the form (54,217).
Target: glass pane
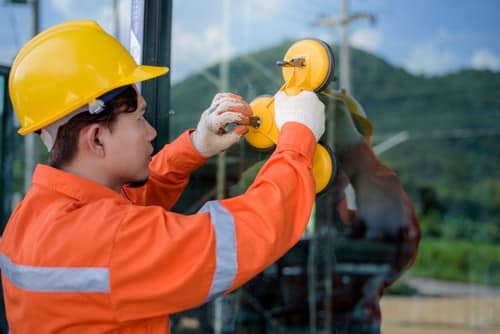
(435,114)
(428,139)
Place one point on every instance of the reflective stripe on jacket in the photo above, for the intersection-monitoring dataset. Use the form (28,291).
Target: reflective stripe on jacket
(77,257)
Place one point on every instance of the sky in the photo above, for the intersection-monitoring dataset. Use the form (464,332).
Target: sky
(428,37)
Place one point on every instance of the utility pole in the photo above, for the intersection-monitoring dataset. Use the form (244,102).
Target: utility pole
(31,143)
(345,58)
(343,22)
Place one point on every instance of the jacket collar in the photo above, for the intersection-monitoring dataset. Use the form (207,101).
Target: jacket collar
(72,185)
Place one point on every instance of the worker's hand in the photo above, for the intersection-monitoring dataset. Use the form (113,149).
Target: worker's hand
(305,108)
(346,136)
(211,137)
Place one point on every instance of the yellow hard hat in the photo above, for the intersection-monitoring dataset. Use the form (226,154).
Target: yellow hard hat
(67,66)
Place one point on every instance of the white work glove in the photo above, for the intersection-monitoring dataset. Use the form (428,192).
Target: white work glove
(304,108)
(210,137)
(347,135)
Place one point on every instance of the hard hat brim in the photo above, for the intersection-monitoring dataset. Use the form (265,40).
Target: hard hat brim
(146,72)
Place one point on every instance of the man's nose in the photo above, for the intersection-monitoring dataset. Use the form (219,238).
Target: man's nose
(151,131)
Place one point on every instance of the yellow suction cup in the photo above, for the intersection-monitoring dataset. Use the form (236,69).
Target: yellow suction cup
(324,167)
(262,133)
(308,64)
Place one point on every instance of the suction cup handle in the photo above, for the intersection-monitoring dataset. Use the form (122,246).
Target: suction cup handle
(294,62)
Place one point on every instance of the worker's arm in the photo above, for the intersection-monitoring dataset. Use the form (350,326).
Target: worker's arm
(169,174)
(383,207)
(384,210)
(170,169)
(164,262)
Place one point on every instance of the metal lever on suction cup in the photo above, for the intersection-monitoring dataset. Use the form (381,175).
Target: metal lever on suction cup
(255,121)
(294,62)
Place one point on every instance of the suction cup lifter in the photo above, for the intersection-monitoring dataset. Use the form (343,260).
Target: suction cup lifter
(307,65)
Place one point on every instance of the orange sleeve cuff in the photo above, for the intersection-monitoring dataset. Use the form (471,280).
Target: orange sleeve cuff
(180,154)
(298,138)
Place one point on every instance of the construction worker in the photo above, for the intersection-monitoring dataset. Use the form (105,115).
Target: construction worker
(369,247)
(93,247)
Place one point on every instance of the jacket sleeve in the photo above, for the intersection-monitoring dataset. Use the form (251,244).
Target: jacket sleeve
(169,174)
(384,210)
(164,262)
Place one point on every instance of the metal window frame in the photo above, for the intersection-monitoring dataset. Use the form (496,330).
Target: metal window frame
(6,151)
(156,45)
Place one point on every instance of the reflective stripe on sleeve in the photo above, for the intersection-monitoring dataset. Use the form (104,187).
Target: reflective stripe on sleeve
(225,238)
(55,279)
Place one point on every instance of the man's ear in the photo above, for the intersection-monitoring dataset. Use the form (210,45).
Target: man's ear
(93,139)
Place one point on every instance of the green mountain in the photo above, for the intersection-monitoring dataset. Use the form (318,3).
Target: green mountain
(450,162)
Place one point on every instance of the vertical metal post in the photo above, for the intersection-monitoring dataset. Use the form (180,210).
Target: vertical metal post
(311,272)
(345,80)
(7,136)
(224,87)
(345,68)
(220,303)
(330,217)
(7,152)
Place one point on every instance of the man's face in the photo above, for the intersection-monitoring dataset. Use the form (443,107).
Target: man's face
(130,148)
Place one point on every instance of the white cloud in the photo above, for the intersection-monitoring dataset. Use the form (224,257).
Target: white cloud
(106,19)
(433,57)
(63,7)
(485,59)
(430,59)
(257,9)
(368,39)
(443,34)
(193,50)
(324,36)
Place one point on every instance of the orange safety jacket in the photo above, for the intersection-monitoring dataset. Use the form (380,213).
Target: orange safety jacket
(77,257)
